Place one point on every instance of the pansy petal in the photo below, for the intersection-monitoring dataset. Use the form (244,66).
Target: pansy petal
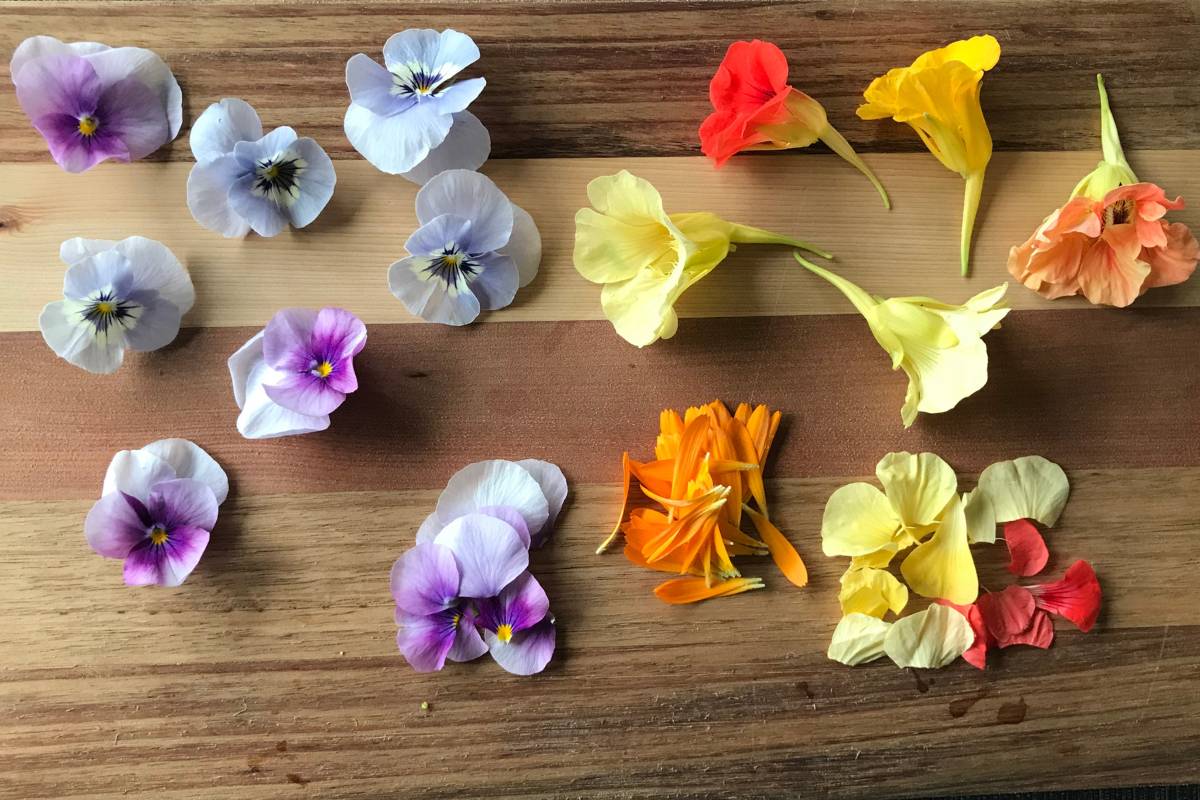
(221,126)
(430,527)
(398,143)
(208,188)
(858,520)
(490,553)
(145,66)
(495,285)
(427,296)
(456,97)
(942,565)
(78,248)
(167,564)
(371,84)
(305,394)
(134,117)
(466,146)
(264,217)
(156,327)
(443,232)
(316,183)
(287,334)
(76,342)
(1026,548)
(468,644)
(928,639)
(857,639)
(1030,487)
(425,641)
(918,486)
(113,526)
(554,486)
(263,418)
(154,267)
(524,246)
(425,580)
(528,652)
(520,605)
(1006,613)
(494,483)
(446,52)
(473,196)
(188,460)
(183,502)
(510,515)
(135,472)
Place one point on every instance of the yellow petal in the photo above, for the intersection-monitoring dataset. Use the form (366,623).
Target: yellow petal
(942,565)
(929,639)
(877,560)
(641,308)
(858,520)
(981,517)
(1030,487)
(858,639)
(872,592)
(978,52)
(919,487)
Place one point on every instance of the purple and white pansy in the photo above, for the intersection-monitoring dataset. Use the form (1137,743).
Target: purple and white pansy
(473,250)
(406,118)
(465,588)
(291,375)
(157,508)
(92,102)
(246,181)
(132,293)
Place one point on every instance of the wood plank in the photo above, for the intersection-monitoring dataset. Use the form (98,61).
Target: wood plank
(1086,389)
(631,78)
(343,258)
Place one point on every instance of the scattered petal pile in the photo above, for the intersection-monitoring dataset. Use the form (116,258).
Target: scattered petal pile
(474,249)
(646,258)
(132,293)
(1110,242)
(938,96)
(406,117)
(706,477)
(756,109)
(246,181)
(920,507)
(92,102)
(938,345)
(465,589)
(157,508)
(290,376)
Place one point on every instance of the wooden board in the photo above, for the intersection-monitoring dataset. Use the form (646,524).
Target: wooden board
(273,672)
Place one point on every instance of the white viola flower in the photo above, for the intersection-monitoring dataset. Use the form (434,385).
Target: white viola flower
(474,249)
(405,118)
(131,293)
(246,181)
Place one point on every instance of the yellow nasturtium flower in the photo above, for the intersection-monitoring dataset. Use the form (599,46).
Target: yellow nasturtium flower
(938,345)
(938,95)
(646,258)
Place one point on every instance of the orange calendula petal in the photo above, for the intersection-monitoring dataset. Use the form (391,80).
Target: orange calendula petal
(782,552)
(746,451)
(625,470)
(655,476)
(691,451)
(742,414)
(692,590)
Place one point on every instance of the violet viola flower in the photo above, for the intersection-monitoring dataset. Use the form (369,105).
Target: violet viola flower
(290,376)
(92,102)
(518,627)
(246,181)
(405,119)
(131,293)
(157,509)
(474,249)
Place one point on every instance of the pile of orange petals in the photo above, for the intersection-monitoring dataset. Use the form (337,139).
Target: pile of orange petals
(705,481)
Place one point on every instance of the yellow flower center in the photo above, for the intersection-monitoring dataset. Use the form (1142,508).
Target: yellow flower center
(105,307)
(453,259)
(504,633)
(158,535)
(88,125)
(323,369)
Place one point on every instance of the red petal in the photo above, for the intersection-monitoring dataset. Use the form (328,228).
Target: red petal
(1077,596)
(750,74)
(976,654)
(1026,548)
(1040,632)
(1006,613)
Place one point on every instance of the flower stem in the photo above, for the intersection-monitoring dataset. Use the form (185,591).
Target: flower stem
(745,234)
(862,301)
(972,192)
(1110,140)
(607,543)
(838,144)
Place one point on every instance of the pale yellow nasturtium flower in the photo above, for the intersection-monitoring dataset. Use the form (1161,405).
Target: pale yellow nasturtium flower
(938,345)
(646,258)
(938,95)
(928,639)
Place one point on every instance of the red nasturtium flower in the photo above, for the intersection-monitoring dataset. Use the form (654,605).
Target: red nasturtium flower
(756,109)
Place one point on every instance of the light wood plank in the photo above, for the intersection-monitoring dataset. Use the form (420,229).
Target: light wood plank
(342,259)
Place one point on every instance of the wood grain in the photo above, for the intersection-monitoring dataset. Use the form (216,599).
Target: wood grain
(631,78)
(912,249)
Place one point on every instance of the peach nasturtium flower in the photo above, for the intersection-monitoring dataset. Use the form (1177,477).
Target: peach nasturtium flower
(1110,241)
(706,478)
(646,258)
(938,95)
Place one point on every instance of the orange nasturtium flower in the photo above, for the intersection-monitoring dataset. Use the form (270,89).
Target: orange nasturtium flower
(706,477)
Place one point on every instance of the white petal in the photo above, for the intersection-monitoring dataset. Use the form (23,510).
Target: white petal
(857,639)
(115,63)
(221,126)
(524,246)
(241,363)
(981,517)
(36,47)
(472,196)
(189,460)
(494,483)
(430,528)
(929,639)
(428,296)
(262,418)
(208,187)
(1030,487)
(466,146)
(77,249)
(155,267)
(397,143)
(554,486)
(75,341)
(135,472)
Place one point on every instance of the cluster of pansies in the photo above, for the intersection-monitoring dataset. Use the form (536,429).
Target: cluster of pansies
(707,479)
(920,512)
(465,588)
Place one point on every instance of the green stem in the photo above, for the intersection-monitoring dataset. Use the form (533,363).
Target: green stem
(745,234)
(972,192)
(838,144)
(855,294)
(1110,139)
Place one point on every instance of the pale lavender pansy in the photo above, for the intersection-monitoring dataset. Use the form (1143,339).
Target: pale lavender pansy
(518,627)
(244,180)
(157,510)
(92,102)
(473,250)
(406,118)
(132,293)
(290,376)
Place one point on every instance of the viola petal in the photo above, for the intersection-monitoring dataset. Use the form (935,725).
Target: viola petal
(425,580)
(528,652)
(490,554)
